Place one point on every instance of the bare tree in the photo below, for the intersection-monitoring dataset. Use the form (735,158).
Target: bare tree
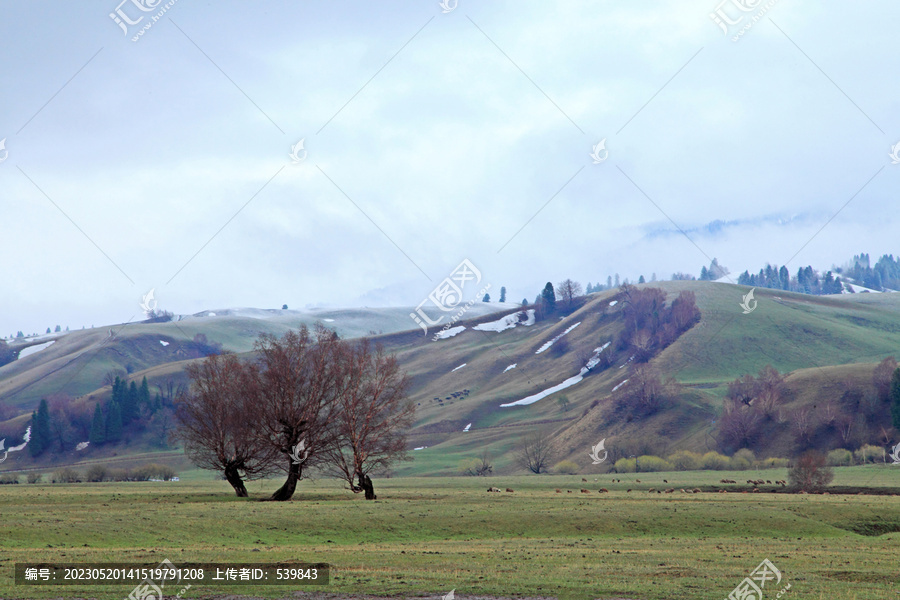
(567,291)
(534,452)
(479,467)
(371,415)
(881,377)
(809,473)
(803,421)
(300,375)
(215,421)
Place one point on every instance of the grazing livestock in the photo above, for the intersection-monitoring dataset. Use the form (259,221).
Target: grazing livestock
(629,489)
(670,490)
(493,489)
(584,480)
(603,490)
(697,490)
(559,491)
(651,490)
(509,489)
(584,491)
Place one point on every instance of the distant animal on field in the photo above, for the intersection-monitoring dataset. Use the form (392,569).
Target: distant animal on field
(584,491)
(509,489)
(493,489)
(603,490)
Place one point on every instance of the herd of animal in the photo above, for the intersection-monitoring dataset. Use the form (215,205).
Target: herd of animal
(753,482)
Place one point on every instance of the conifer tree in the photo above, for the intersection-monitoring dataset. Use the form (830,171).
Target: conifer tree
(98,427)
(113,422)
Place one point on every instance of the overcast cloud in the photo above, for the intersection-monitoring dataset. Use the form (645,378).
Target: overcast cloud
(431,137)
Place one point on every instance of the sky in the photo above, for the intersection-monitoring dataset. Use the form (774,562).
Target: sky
(431,134)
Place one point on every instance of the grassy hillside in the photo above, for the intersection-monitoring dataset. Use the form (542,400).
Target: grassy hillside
(76,363)
(826,343)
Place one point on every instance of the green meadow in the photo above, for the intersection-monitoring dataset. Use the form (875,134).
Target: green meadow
(426,536)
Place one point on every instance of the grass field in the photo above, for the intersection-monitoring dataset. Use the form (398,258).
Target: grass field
(426,536)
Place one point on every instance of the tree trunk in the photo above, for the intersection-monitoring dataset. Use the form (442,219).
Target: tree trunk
(286,491)
(366,484)
(234,478)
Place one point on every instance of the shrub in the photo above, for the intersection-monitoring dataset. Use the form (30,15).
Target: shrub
(867,454)
(809,472)
(685,460)
(742,460)
(775,463)
(95,473)
(118,475)
(839,457)
(624,465)
(9,479)
(152,471)
(652,464)
(713,461)
(476,467)
(566,467)
(34,478)
(66,475)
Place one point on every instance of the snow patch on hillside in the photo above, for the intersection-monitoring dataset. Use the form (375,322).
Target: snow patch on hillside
(550,343)
(507,322)
(592,362)
(541,395)
(449,333)
(36,348)
(512,366)
(467,427)
(620,385)
(858,289)
(614,302)
(458,368)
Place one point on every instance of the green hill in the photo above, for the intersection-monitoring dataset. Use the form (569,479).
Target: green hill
(828,345)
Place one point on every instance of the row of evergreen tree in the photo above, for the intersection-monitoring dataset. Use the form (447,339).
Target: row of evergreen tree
(129,408)
(807,280)
(885,273)
(125,405)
